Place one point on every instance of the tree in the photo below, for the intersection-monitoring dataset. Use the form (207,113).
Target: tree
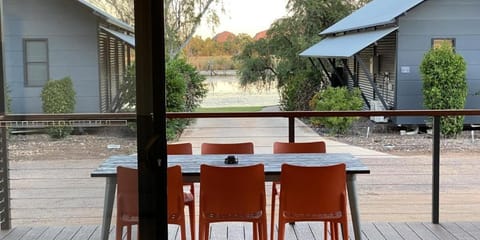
(276,58)
(445,85)
(182,18)
(123,9)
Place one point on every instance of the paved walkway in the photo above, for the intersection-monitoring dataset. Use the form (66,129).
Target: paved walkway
(263,132)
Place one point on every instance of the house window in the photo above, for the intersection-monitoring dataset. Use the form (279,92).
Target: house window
(437,42)
(36,62)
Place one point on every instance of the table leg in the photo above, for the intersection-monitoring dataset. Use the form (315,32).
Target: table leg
(352,198)
(108,206)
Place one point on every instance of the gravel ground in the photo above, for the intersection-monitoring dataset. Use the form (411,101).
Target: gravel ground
(384,138)
(95,144)
(103,142)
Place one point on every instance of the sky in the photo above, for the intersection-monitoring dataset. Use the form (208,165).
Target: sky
(246,16)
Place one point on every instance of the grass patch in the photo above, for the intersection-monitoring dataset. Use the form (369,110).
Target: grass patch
(230,109)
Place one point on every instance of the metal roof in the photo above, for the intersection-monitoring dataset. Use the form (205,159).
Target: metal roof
(107,17)
(347,45)
(375,13)
(130,40)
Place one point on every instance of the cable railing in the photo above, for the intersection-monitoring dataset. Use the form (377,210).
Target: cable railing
(121,119)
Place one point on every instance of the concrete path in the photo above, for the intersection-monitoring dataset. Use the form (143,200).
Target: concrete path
(263,132)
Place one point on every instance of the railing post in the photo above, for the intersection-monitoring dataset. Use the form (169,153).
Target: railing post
(436,170)
(5,183)
(291,129)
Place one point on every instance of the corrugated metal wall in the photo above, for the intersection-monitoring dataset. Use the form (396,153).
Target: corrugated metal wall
(379,61)
(113,65)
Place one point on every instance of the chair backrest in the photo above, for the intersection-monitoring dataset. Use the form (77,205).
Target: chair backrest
(299,147)
(179,148)
(227,148)
(175,199)
(232,192)
(127,193)
(312,191)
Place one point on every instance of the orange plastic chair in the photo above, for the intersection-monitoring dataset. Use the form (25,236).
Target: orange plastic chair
(291,147)
(233,194)
(313,194)
(299,147)
(189,197)
(227,148)
(127,200)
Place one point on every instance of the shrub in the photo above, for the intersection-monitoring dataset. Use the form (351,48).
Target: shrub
(185,90)
(445,86)
(58,96)
(296,93)
(336,99)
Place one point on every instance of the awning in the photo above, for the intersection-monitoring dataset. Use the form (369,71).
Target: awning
(130,40)
(345,46)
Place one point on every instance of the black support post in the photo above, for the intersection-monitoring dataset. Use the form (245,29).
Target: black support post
(151,119)
(291,129)
(436,171)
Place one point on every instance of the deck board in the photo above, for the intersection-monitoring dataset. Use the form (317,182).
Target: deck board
(243,231)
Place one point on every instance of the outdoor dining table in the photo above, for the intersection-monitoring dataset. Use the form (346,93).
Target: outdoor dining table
(191,172)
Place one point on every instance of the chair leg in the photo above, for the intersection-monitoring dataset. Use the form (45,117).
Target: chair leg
(129,232)
(344,230)
(207,231)
(272,212)
(201,229)
(191,212)
(183,233)
(281,230)
(263,228)
(119,232)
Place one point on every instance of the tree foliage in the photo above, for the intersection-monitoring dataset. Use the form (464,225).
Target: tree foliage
(209,47)
(276,57)
(182,18)
(336,99)
(445,85)
(185,91)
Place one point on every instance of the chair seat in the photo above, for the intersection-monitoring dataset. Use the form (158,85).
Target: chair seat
(188,197)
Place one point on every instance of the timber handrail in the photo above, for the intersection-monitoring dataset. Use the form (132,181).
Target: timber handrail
(132,116)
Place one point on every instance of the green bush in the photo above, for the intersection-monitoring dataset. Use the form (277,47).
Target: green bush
(58,96)
(296,93)
(127,97)
(185,89)
(445,85)
(336,99)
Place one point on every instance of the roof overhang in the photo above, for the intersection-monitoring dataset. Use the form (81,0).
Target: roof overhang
(106,17)
(374,13)
(345,46)
(128,39)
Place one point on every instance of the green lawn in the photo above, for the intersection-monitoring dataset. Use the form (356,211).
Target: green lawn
(230,109)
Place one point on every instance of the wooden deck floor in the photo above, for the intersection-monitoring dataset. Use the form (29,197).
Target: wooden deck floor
(57,193)
(300,231)
(394,200)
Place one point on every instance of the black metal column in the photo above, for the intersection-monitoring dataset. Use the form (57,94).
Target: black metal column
(151,119)
(4,162)
(436,171)
(291,129)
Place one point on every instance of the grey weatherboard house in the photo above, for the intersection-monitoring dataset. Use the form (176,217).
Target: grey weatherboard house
(380,46)
(53,39)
